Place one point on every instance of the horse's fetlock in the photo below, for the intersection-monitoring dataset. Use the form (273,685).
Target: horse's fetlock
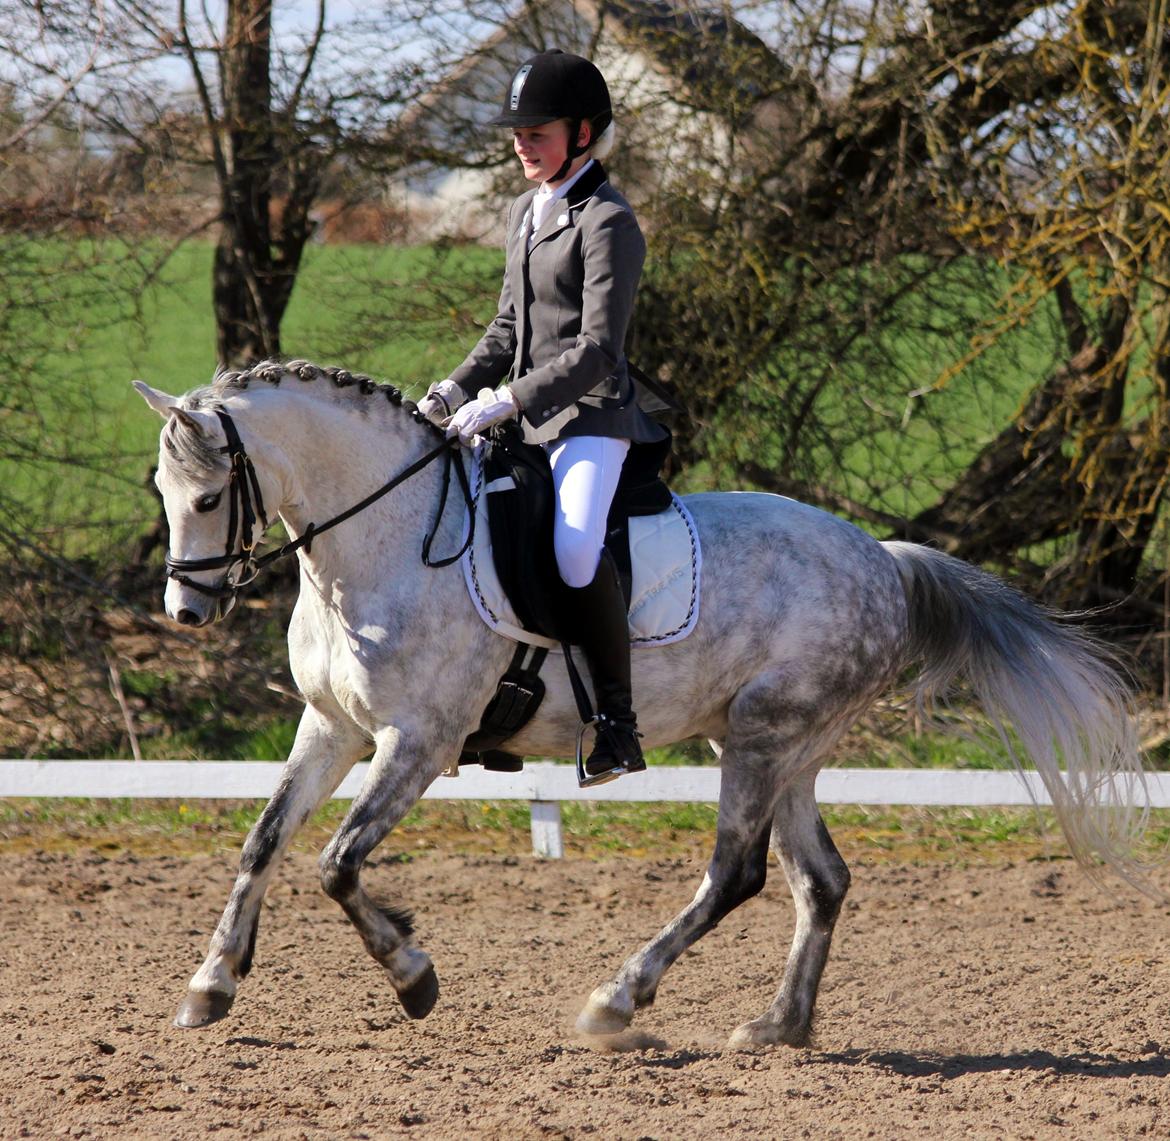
(216,974)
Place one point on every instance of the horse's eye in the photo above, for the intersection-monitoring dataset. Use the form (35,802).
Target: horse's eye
(208,502)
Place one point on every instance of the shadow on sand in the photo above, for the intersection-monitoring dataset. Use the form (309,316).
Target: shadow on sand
(1156,1065)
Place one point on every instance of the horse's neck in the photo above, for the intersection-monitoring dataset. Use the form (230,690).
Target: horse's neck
(335,454)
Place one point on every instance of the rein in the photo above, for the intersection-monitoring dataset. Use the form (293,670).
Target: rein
(246,507)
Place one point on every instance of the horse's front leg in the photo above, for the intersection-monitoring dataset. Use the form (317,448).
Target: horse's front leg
(404,764)
(322,754)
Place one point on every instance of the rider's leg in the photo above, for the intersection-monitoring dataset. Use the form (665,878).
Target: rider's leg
(586,470)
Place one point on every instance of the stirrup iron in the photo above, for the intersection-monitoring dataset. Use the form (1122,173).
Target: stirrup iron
(584,779)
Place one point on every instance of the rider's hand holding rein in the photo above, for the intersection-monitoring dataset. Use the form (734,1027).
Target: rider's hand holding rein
(476,416)
(441,401)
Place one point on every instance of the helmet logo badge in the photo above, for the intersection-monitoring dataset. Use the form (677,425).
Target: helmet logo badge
(518,85)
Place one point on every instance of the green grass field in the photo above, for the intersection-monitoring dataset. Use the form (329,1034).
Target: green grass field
(407,315)
(371,309)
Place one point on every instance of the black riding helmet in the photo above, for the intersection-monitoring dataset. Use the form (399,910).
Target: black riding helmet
(557,85)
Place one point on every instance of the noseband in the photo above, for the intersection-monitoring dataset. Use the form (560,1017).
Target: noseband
(246,508)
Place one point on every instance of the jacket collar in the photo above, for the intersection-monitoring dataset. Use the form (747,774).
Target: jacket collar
(586,186)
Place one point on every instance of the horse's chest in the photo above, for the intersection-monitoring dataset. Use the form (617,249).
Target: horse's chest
(337,669)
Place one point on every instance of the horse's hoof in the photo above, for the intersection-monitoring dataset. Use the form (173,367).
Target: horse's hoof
(605,1013)
(202,1008)
(419,999)
(760,1032)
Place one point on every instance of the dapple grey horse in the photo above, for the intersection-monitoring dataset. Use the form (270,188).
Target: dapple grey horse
(805,620)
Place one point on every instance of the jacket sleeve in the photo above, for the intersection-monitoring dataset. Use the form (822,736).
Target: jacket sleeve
(612,252)
(491,359)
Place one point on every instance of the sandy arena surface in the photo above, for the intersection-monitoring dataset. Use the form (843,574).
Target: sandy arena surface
(1009,1001)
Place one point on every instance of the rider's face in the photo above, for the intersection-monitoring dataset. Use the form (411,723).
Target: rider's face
(542,150)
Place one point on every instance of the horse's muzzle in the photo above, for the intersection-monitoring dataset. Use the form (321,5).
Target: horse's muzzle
(193,608)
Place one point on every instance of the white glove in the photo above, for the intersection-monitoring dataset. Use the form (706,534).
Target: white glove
(440,401)
(477,415)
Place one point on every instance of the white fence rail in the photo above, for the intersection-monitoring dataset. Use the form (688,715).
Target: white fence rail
(543,784)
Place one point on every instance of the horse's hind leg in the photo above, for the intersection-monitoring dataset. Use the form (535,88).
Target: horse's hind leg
(737,871)
(320,757)
(819,880)
(395,782)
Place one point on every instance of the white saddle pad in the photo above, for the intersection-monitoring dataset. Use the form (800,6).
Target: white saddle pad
(666,563)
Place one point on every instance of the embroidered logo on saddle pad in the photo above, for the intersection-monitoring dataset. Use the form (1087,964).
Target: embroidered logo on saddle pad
(665,561)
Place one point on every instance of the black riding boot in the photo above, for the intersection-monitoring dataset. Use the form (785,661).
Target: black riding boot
(603,634)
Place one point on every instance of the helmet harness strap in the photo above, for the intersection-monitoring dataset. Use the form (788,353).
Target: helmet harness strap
(575,149)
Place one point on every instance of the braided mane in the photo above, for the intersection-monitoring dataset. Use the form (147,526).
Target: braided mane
(274,371)
(192,453)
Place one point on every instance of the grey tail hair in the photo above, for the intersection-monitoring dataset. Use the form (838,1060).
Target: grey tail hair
(1055,695)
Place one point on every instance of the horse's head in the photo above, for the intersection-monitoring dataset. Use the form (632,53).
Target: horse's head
(214,505)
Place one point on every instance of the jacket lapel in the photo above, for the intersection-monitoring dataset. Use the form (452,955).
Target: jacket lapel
(516,259)
(580,192)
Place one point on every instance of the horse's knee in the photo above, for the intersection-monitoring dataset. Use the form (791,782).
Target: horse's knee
(261,845)
(737,877)
(750,881)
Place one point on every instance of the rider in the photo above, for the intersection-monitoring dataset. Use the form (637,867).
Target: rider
(574,257)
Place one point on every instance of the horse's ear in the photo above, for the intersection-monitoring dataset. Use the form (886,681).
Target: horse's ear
(163,404)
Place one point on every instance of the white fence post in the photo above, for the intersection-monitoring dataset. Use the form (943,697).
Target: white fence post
(547,837)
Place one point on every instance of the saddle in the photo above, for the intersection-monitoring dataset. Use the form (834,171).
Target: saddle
(518,481)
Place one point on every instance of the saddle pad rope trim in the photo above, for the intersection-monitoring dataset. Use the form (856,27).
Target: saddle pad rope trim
(508,627)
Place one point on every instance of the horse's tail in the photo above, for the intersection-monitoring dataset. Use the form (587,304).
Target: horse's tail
(1054,694)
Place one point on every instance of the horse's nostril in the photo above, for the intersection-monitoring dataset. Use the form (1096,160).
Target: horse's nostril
(187,617)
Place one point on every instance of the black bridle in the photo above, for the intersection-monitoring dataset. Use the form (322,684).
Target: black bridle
(246,508)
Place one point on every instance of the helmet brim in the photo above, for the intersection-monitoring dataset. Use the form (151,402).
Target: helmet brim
(510,119)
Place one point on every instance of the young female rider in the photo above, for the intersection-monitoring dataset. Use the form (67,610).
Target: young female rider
(574,257)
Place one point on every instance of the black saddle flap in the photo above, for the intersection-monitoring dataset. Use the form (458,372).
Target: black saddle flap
(518,483)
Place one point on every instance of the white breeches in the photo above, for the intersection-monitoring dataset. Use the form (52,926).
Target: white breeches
(585,471)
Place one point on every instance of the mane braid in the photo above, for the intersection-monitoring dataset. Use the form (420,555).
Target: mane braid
(274,371)
(197,459)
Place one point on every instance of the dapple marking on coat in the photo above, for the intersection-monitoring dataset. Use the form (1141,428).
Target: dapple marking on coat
(805,621)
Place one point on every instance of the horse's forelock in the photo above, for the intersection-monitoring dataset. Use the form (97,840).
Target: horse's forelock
(193,456)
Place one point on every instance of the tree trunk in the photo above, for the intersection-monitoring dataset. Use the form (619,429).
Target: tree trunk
(246,329)
(259,253)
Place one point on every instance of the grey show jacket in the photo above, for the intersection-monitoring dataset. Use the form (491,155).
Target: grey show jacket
(560,331)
